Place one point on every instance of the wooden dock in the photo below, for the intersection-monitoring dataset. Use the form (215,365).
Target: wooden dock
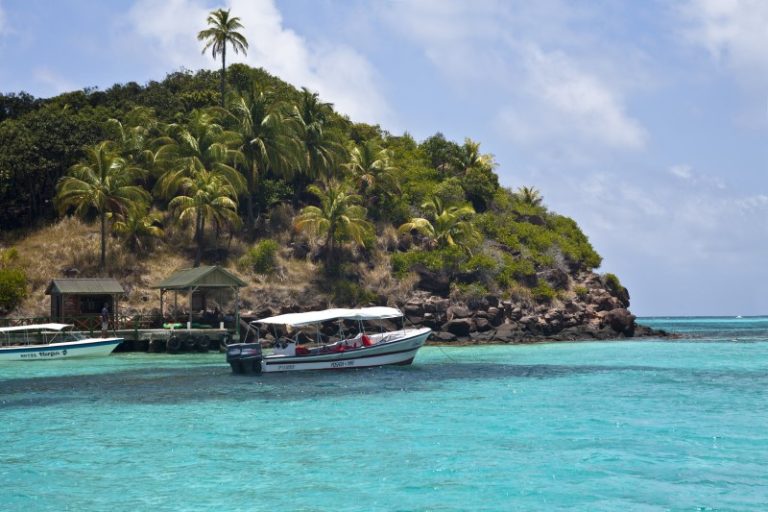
(172,340)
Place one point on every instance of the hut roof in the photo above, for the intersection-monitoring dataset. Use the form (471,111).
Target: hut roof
(200,277)
(84,286)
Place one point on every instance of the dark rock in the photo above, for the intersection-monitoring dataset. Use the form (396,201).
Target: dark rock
(437,306)
(442,336)
(414,309)
(623,296)
(459,326)
(483,337)
(480,304)
(621,321)
(573,307)
(605,301)
(507,333)
(496,316)
(300,250)
(416,320)
(555,277)
(430,321)
(482,314)
(570,334)
(459,311)
(482,324)
(435,282)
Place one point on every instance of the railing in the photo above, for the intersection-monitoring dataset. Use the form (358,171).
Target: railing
(92,324)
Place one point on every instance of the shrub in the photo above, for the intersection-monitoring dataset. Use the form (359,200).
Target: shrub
(470,293)
(482,263)
(8,256)
(581,291)
(515,270)
(349,293)
(612,282)
(543,292)
(262,257)
(448,259)
(13,288)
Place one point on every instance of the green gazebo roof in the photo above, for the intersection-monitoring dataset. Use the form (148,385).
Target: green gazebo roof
(84,286)
(200,277)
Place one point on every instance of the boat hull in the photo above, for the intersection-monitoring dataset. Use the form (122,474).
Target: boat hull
(398,349)
(399,352)
(93,347)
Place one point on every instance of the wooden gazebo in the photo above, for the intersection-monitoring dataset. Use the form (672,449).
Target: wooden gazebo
(73,298)
(199,284)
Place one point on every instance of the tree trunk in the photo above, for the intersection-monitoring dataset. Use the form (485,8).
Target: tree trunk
(332,264)
(250,218)
(199,239)
(223,72)
(103,260)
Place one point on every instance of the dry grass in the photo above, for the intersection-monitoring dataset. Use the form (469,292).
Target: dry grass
(71,243)
(521,295)
(380,280)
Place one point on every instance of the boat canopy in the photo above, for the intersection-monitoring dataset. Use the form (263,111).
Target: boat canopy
(313,317)
(35,327)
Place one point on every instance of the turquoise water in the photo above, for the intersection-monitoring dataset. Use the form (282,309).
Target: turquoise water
(626,425)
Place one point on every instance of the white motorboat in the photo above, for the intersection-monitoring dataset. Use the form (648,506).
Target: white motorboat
(367,347)
(50,341)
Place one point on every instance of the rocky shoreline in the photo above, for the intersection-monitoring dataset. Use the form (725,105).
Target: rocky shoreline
(599,312)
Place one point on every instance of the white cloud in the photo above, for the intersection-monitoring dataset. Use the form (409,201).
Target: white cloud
(559,90)
(339,73)
(663,222)
(733,32)
(683,171)
(561,100)
(164,32)
(687,173)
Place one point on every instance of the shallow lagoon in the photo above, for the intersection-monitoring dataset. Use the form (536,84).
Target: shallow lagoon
(637,425)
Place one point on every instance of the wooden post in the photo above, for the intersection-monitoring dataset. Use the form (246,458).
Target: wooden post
(237,313)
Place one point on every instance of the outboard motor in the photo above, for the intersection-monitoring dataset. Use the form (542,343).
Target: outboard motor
(244,357)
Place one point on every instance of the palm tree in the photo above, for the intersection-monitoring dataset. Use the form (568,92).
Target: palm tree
(321,144)
(373,169)
(449,225)
(196,159)
(201,145)
(205,196)
(135,139)
(529,196)
(137,226)
(269,142)
(339,218)
(469,157)
(223,31)
(103,181)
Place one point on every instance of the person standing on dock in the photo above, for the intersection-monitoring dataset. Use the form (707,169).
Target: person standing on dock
(104,320)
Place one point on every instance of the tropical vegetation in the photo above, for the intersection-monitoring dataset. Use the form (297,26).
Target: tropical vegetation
(237,154)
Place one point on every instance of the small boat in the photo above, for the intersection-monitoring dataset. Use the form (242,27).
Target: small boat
(50,341)
(363,349)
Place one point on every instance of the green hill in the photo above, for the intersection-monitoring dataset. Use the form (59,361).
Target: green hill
(278,186)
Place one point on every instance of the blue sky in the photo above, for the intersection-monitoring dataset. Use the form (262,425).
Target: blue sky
(647,122)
